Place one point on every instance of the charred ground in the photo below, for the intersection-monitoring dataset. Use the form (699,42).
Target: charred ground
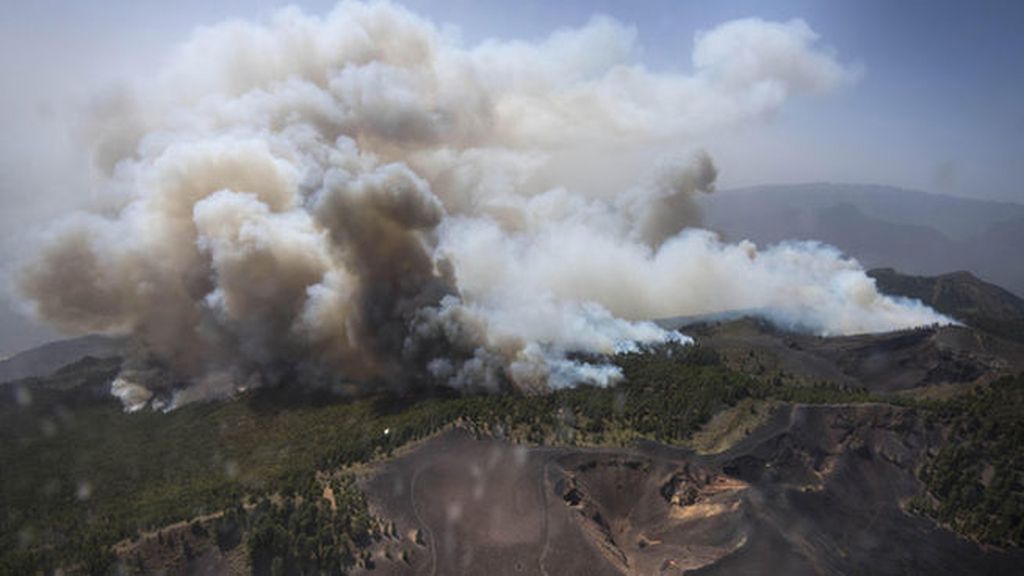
(756,450)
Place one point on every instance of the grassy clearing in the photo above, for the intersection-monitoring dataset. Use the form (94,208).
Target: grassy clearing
(729,426)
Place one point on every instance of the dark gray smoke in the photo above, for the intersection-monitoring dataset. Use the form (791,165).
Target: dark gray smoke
(361,198)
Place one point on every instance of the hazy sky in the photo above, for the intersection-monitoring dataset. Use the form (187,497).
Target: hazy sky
(940,104)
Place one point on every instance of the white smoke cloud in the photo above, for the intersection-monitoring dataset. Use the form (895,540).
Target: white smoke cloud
(361,197)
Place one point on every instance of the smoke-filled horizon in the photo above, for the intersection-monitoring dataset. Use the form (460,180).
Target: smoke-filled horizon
(360,198)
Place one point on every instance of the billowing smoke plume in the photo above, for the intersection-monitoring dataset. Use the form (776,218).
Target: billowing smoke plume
(361,198)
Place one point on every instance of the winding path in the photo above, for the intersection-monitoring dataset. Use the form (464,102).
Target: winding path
(544,499)
(421,521)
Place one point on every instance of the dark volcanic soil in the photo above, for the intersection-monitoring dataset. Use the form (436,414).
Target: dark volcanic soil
(817,490)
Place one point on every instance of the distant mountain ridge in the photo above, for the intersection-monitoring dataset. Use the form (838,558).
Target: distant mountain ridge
(912,231)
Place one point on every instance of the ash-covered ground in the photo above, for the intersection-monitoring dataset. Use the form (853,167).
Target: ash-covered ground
(816,490)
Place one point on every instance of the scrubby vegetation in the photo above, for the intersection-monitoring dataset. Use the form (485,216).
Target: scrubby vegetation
(306,533)
(976,481)
(667,393)
(79,474)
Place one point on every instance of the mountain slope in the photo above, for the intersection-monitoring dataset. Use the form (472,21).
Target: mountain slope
(962,296)
(824,475)
(234,486)
(45,359)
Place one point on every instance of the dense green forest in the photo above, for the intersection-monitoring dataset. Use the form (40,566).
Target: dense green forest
(303,533)
(976,481)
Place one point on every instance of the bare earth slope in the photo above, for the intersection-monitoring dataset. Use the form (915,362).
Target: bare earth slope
(817,490)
